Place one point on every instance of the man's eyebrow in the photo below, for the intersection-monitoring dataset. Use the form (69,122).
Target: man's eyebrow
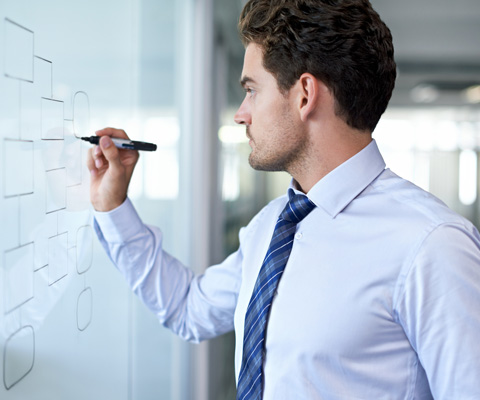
(245,80)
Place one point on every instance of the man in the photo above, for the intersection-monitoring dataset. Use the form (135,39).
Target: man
(373,284)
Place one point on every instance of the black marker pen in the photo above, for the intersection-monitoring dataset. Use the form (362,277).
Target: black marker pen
(123,143)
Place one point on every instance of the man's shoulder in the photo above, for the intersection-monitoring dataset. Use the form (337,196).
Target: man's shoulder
(408,201)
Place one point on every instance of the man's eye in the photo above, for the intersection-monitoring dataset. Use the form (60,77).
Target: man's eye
(249,91)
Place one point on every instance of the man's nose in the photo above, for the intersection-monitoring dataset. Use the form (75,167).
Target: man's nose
(243,116)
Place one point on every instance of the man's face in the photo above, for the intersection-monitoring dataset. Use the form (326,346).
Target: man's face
(276,135)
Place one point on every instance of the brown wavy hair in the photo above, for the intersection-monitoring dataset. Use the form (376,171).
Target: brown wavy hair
(344,43)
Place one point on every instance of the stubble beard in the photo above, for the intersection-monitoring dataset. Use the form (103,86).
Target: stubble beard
(286,156)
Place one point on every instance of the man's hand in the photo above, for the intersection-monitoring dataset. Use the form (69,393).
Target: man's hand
(111,170)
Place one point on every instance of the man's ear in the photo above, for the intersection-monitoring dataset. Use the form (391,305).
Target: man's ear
(310,95)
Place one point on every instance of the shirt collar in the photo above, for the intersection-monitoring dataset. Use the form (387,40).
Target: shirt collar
(337,189)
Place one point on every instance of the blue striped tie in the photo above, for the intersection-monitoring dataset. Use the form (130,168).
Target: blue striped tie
(250,382)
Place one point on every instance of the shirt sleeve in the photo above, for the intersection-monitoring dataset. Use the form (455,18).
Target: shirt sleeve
(440,310)
(194,307)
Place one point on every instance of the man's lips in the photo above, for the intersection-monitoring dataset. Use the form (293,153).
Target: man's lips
(249,137)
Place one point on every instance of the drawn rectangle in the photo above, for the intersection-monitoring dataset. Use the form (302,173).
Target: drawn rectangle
(29,112)
(84,248)
(9,107)
(84,309)
(52,119)
(57,258)
(18,167)
(34,224)
(56,190)
(43,77)
(19,50)
(10,238)
(53,154)
(19,264)
(81,114)
(32,217)
(18,356)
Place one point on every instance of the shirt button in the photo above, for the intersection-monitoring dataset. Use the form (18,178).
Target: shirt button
(298,235)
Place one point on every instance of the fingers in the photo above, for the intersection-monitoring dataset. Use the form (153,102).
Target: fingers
(106,152)
(91,161)
(96,160)
(111,170)
(110,152)
(119,133)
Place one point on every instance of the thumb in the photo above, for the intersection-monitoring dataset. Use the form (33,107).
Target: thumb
(110,152)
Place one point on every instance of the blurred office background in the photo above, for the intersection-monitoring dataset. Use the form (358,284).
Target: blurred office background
(430,133)
(179,64)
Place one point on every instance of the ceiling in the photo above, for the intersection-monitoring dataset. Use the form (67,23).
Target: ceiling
(437,48)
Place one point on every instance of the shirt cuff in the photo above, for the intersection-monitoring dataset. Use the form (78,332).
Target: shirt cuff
(120,224)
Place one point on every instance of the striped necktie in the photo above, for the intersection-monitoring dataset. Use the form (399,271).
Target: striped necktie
(250,382)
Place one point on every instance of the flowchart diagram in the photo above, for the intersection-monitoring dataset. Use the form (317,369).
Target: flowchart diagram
(46,236)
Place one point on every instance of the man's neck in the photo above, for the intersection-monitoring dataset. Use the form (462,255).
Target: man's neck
(328,151)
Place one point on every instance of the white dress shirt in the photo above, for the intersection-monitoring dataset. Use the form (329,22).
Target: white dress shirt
(380,298)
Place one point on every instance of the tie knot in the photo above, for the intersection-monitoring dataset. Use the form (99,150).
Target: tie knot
(297,208)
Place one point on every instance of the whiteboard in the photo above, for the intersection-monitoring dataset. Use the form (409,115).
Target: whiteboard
(69,327)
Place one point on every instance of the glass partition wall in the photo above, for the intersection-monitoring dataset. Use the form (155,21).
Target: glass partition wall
(69,326)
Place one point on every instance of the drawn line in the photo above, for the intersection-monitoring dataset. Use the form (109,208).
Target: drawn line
(42,267)
(17,78)
(60,234)
(43,59)
(55,169)
(20,26)
(54,211)
(51,99)
(18,140)
(19,247)
(59,279)
(10,196)
(18,306)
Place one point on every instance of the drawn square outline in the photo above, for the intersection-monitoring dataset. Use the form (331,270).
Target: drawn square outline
(19,268)
(24,58)
(23,162)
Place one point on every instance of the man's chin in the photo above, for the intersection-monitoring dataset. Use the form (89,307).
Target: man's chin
(254,163)
(262,165)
